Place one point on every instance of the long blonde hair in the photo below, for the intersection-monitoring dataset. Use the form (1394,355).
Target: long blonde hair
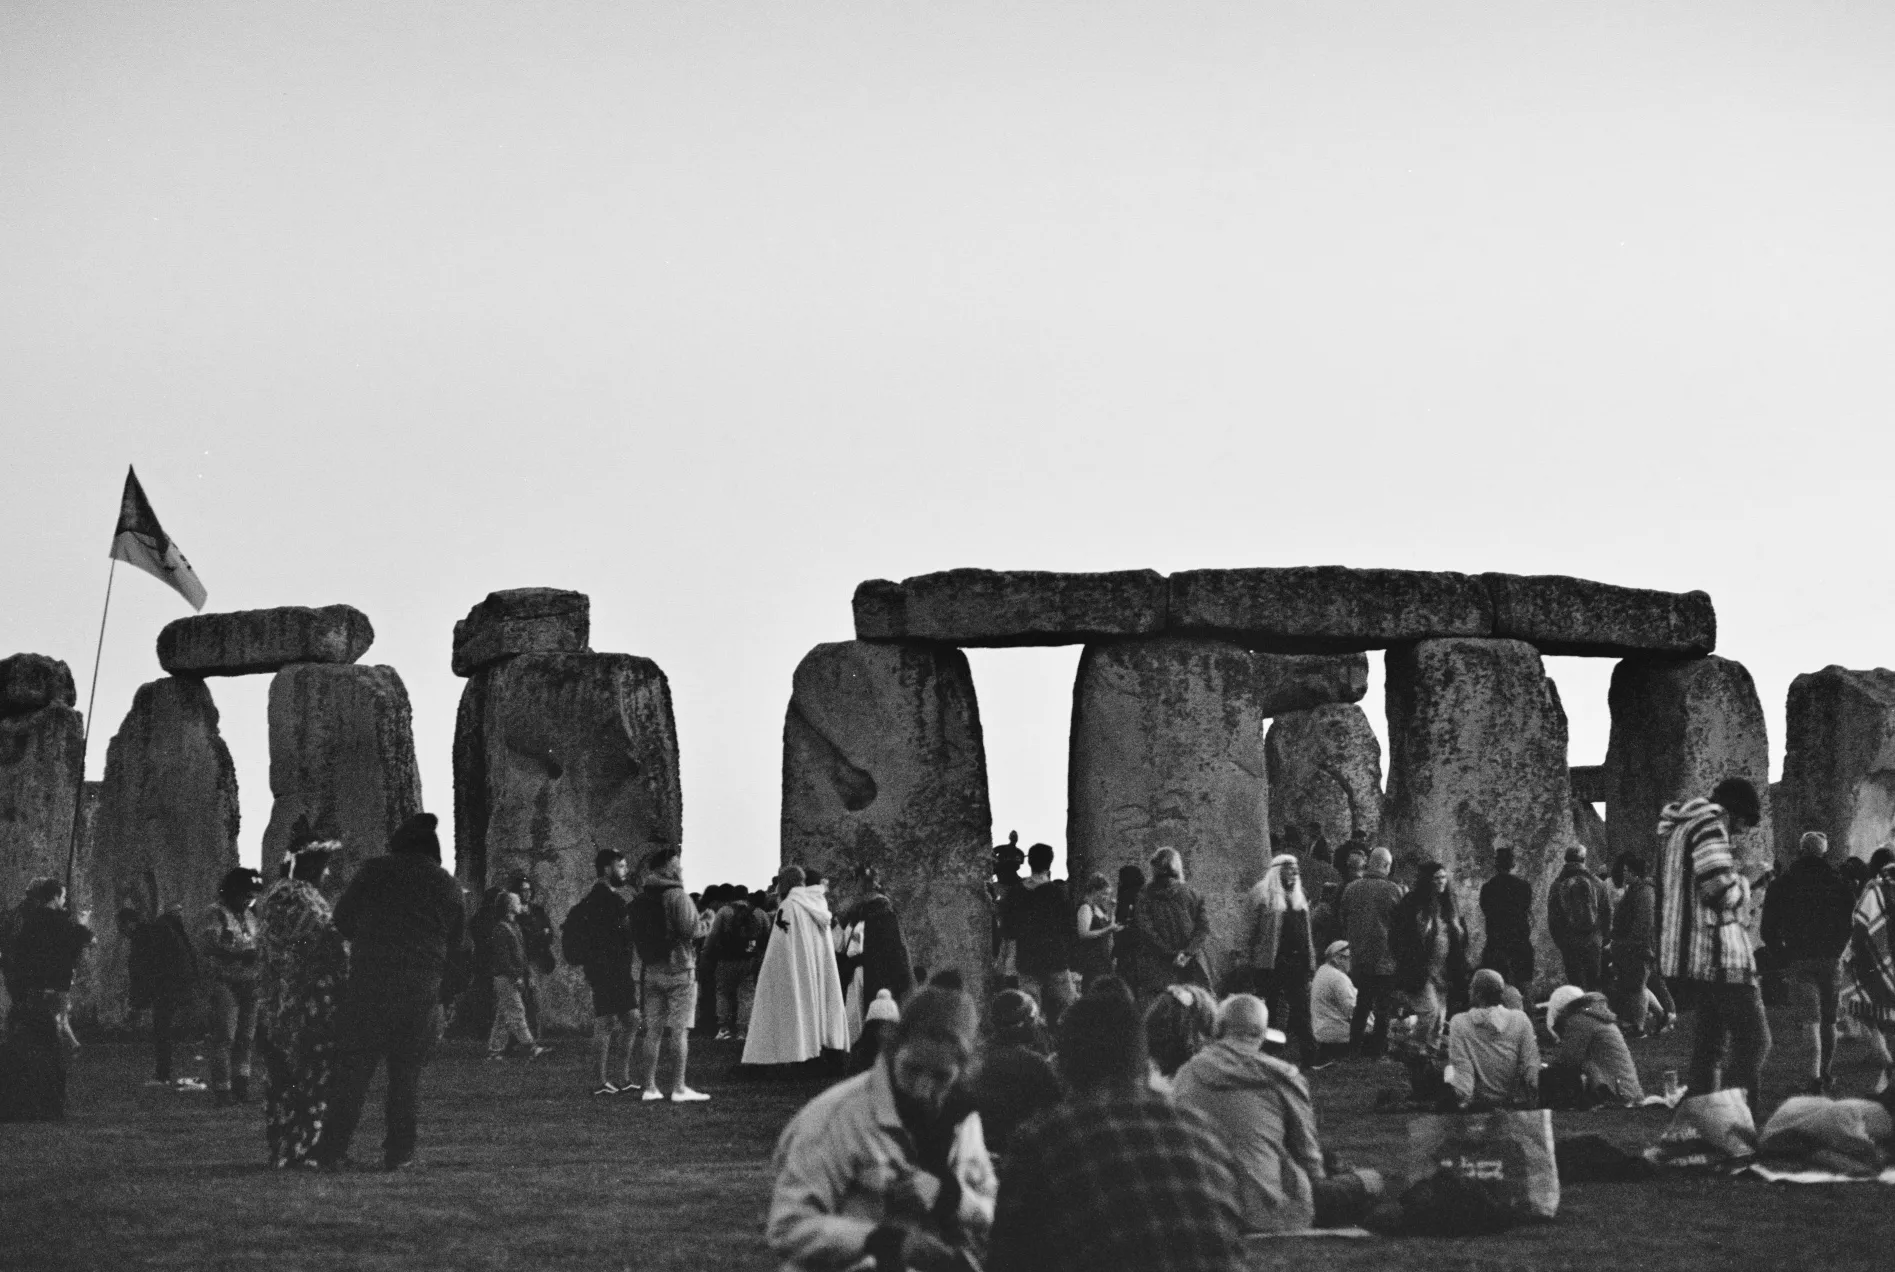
(1277,898)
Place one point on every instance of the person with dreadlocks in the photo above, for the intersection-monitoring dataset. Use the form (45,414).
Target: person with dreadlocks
(228,940)
(303,968)
(1701,936)
(1281,950)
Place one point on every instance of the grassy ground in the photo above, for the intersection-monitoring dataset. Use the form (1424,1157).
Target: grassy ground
(524,1170)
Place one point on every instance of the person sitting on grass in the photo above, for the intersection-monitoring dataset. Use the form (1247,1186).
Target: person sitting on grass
(1178,1023)
(1591,1044)
(888,1169)
(1492,1051)
(1014,1079)
(1261,1108)
(1332,1000)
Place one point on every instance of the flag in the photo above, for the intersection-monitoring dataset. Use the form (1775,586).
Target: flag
(141,541)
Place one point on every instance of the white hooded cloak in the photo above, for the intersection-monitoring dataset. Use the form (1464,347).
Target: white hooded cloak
(799,1010)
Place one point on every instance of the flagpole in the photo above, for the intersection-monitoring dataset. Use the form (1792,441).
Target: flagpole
(85,738)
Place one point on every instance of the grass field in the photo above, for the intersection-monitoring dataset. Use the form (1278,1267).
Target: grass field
(524,1170)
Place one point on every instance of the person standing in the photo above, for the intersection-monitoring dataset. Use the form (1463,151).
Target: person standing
(1806,917)
(1278,943)
(227,936)
(1506,905)
(1429,945)
(1366,906)
(1036,926)
(1872,957)
(536,934)
(597,939)
(733,946)
(41,957)
(1579,916)
(1634,945)
(1173,929)
(1124,907)
(799,1012)
(664,930)
(303,967)
(1701,936)
(506,953)
(1093,930)
(402,917)
(162,968)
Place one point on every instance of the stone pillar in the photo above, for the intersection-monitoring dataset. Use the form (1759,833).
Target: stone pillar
(1325,768)
(557,755)
(1477,762)
(40,757)
(342,754)
(1678,729)
(1839,763)
(883,766)
(1168,751)
(166,827)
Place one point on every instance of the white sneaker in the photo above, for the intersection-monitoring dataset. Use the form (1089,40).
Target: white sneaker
(685,1095)
(652,1093)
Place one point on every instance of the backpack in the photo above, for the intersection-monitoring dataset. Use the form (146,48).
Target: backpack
(1578,906)
(651,932)
(738,938)
(576,945)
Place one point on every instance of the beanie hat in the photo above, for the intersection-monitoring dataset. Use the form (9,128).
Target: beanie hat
(883,1008)
(416,835)
(1563,997)
(1012,1008)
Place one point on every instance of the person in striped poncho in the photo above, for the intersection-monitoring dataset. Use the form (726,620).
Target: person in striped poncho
(1703,900)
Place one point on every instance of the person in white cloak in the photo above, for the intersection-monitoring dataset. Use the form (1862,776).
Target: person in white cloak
(799,1011)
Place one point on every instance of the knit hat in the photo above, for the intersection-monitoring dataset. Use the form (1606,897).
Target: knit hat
(1813,844)
(1563,997)
(883,1008)
(1012,1008)
(416,835)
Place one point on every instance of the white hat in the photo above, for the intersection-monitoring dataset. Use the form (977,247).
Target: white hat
(1562,998)
(883,1008)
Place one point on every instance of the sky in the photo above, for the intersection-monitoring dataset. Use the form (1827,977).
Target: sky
(712,311)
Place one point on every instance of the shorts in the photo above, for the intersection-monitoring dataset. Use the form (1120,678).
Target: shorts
(614,993)
(1815,985)
(668,999)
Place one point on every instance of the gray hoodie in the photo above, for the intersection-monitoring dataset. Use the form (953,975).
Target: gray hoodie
(1260,1108)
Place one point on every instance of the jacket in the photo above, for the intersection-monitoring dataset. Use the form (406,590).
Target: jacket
(1703,900)
(230,944)
(402,918)
(161,962)
(1635,921)
(1408,943)
(506,954)
(607,943)
(1559,920)
(1170,920)
(45,951)
(1496,1057)
(1506,904)
(1265,932)
(1331,1004)
(1366,905)
(1261,1109)
(1806,911)
(680,925)
(1590,1041)
(884,957)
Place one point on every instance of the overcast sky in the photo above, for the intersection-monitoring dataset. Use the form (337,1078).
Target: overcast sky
(712,311)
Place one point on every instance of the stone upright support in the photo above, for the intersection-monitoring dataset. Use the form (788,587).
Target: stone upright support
(556,756)
(1679,727)
(1325,768)
(883,766)
(166,827)
(40,754)
(342,754)
(1477,762)
(1839,764)
(1168,751)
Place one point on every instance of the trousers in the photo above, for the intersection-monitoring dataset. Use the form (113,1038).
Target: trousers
(1731,1040)
(396,1020)
(233,1032)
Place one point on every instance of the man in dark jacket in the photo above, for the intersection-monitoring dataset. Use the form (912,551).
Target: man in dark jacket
(1579,915)
(1634,944)
(406,930)
(1806,918)
(40,960)
(163,969)
(1506,903)
(1036,929)
(598,940)
(664,928)
(536,933)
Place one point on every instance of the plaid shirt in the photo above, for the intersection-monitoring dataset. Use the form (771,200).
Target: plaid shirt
(1118,1181)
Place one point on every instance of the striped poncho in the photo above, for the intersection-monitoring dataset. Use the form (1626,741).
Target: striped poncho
(1702,898)
(1870,961)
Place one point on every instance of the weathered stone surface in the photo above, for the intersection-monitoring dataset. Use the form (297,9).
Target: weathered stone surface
(1477,762)
(31,681)
(1679,727)
(39,780)
(1589,783)
(1839,764)
(523,620)
(1168,750)
(883,766)
(1011,607)
(1328,608)
(248,642)
(342,753)
(1561,615)
(1325,768)
(555,757)
(166,827)
(1590,830)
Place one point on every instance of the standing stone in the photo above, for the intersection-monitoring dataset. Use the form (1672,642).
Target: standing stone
(41,737)
(1839,766)
(557,755)
(1168,751)
(883,766)
(1477,762)
(342,754)
(1325,767)
(1678,729)
(166,828)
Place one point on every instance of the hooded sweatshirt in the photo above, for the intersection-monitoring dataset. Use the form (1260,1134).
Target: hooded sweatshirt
(1702,898)
(1590,1041)
(1495,1056)
(1261,1109)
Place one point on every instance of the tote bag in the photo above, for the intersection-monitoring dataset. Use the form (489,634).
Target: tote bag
(1512,1152)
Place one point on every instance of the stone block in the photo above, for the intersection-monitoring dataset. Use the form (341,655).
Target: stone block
(40,760)
(31,681)
(166,827)
(1589,783)
(252,642)
(1168,751)
(524,620)
(1325,767)
(883,766)
(1560,615)
(342,754)
(1477,762)
(1679,727)
(1328,608)
(1011,607)
(1839,762)
(555,757)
